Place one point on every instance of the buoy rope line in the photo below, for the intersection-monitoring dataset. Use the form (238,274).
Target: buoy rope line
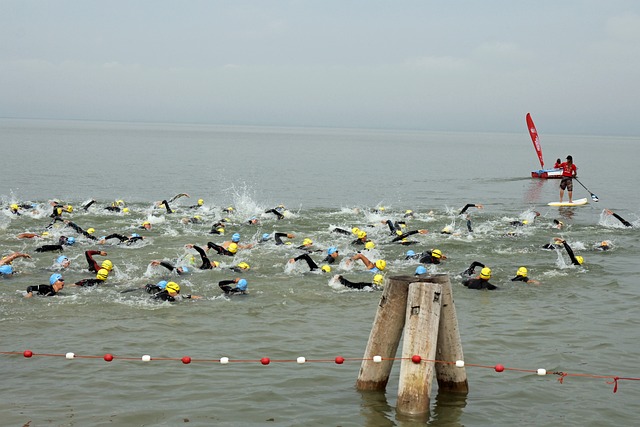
(339,360)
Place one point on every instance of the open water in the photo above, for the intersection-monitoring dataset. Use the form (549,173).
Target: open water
(579,320)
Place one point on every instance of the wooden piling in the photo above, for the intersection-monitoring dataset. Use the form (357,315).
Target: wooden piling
(420,338)
(449,348)
(385,336)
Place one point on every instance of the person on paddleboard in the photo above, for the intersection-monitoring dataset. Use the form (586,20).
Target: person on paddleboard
(569,171)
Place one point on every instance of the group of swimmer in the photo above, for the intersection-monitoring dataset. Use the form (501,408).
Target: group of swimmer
(169,290)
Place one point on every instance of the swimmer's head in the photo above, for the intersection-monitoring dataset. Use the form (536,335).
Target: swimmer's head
(63,261)
(326,269)
(70,241)
(485,273)
(200,202)
(410,253)
(332,250)
(172,288)
(55,277)
(6,269)
(103,273)
(243,265)
(265,237)
(235,238)
(369,245)
(381,264)
(436,253)
(579,259)
(522,271)
(378,279)
(233,248)
(421,269)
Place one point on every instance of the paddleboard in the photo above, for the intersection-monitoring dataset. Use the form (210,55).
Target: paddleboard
(577,202)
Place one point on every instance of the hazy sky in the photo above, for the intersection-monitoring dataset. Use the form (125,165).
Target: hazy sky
(452,65)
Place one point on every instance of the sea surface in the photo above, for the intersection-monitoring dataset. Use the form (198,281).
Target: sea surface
(582,321)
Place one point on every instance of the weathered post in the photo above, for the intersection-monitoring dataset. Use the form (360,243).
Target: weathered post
(385,336)
(420,338)
(449,348)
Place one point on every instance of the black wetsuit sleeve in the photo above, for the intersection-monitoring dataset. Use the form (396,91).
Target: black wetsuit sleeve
(46,290)
(152,289)
(206,263)
(353,285)
(75,227)
(116,236)
(275,212)
(622,220)
(341,231)
(133,240)
(166,205)
(472,267)
(574,261)
(167,265)
(85,207)
(307,258)
(467,206)
(49,248)
(405,235)
(89,282)
(278,238)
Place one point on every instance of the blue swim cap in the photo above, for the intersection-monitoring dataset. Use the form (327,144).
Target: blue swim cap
(332,250)
(410,253)
(135,235)
(235,238)
(162,284)
(185,270)
(421,269)
(6,269)
(266,236)
(242,284)
(71,240)
(54,278)
(61,259)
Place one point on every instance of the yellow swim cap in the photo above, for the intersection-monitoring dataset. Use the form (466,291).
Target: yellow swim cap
(326,268)
(216,264)
(220,230)
(243,265)
(355,230)
(233,248)
(307,241)
(369,245)
(525,222)
(14,207)
(106,264)
(200,202)
(146,223)
(447,229)
(362,234)
(125,210)
(485,273)
(408,211)
(399,232)
(91,230)
(579,259)
(45,233)
(436,253)
(522,271)
(378,279)
(381,264)
(173,287)
(103,273)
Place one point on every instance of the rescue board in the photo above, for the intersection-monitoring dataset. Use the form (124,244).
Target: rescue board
(577,202)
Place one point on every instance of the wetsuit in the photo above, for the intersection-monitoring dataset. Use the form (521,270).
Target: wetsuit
(312,265)
(355,285)
(45,290)
(341,231)
(427,257)
(275,212)
(278,238)
(112,208)
(467,206)
(80,230)
(622,220)
(574,261)
(405,235)
(93,264)
(164,296)
(166,205)
(170,266)
(225,285)
(117,236)
(469,271)
(477,283)
(85,207)
(219,249)
(89,282)
(49,248)
(206,263)
(520,279)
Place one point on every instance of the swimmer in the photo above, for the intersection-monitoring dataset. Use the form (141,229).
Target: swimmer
(522,276)
(56,284)
(101,277)
(373,267)
(434,256)
(279,236)
(332,255)
(401,235)
(171,293)
(575,259)
(93,264)
(169,266)
(376,283)
(470,205)
(569,171)
(240,288)
(481,281)
(619,218)
(312,265)
(206,263)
